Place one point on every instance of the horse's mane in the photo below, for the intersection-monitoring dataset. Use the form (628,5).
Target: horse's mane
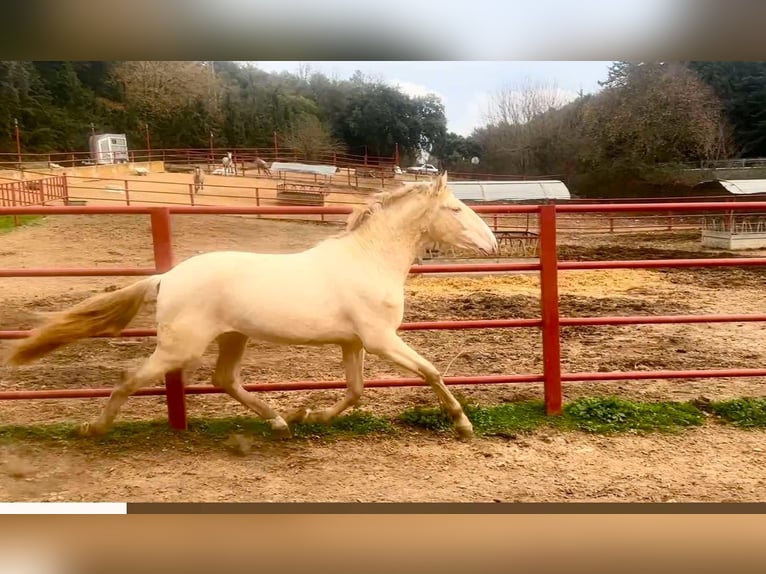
(380,201)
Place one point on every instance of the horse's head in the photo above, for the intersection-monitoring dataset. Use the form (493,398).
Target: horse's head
(431,212)
(452,222)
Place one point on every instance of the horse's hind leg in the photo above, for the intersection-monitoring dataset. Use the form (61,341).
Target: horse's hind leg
(231,347)
(176,349)
(353,363)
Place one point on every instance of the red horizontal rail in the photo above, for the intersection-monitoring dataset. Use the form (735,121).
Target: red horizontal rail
(678,206)
(644,375)
(78,272)
(655,263)
(415,326)
(265,387)
(341,210)
(658,320)
(496,324)
(173,209)
(395,382)
(474,268)
(421,269)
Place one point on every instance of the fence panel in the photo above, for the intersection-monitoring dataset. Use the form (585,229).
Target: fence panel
(549,322)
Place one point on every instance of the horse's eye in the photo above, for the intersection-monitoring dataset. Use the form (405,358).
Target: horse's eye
(455,209)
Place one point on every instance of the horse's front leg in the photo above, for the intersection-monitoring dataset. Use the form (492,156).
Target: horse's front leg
(353,363)
(389,345)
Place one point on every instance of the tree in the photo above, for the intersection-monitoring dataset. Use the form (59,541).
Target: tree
(520,104)
(433,122)
(653,113)
(454,151)
(741,87)
(159,88)
(310,138)
(527,131)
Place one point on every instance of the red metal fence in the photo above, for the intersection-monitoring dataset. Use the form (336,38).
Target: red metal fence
(550,321)
(210,155)
(148,191)
(40,191)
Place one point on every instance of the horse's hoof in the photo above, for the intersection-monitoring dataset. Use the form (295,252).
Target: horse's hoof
(283,433)
(90,430)
(465,432)
(298,415)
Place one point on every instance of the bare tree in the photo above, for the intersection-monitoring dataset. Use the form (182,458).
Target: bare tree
(525,128)
(304,71)
(520,104)
(310,138)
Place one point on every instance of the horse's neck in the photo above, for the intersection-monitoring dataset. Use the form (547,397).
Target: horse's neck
(392,241)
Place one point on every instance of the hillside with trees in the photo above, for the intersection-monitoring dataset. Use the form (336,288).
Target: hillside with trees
(647,117)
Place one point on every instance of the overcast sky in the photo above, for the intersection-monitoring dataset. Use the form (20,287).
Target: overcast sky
(463,86)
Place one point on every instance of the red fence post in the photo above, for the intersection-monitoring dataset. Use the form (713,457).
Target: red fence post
(14,203)
(163,261)
(549,306)
(66,189)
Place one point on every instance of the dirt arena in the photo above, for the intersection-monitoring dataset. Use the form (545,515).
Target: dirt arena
(711,463)
(161,188)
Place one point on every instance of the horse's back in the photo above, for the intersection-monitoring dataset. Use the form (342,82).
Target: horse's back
(278,297)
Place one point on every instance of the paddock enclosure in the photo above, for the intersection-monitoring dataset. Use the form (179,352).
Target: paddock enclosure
(710,463)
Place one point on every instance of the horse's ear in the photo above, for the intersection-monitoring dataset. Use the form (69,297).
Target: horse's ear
(440,184)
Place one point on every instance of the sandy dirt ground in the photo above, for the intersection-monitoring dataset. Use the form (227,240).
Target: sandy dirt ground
(712,463)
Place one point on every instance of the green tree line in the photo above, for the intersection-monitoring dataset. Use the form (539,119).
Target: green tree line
(58,103)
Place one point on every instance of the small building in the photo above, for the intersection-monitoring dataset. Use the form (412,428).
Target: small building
(734,230)
(108,148)
(536,191)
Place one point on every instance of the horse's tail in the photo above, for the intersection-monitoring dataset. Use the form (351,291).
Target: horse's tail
(102,314)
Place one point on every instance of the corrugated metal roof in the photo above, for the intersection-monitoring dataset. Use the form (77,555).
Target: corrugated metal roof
(509,190)
(327,170)
(737,186)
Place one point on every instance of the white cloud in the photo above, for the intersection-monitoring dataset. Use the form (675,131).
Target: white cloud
(416,90)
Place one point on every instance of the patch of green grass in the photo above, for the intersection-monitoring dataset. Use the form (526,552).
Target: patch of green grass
(743,413)
(6,221)
(157,432)
(605,415)
(52,432)
(602,415)
(500,420)
(608,415)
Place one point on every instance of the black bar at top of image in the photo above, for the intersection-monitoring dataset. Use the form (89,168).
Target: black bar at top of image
(445,508)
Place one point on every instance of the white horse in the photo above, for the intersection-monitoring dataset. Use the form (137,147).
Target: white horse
(227,162)
(262,165)
(355,299)
(199,180)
